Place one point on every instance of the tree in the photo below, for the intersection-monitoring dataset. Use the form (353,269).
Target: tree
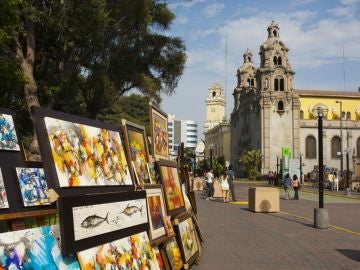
(189,155)
(251,160)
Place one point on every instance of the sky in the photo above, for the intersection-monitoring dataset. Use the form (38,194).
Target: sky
(323,37)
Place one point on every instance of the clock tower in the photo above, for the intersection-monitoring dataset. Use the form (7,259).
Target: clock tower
(215,107)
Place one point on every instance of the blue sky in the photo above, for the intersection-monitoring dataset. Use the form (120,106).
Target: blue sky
(317,32)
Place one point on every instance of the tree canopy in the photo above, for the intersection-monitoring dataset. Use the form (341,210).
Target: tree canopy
(251,160)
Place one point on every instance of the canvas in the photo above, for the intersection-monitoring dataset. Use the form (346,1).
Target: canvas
(3,197)
(93,220)
(159,133)
(173,254)
(168,226)
(188,238)
(36,248)
(132,252)
(86,155)
(8,137)
(152,172)
(33,186)
(156,211)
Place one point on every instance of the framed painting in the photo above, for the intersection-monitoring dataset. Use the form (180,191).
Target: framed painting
(173,255)
(37,248)
(80,152)
(137,149)
(185,233)
(3,196)
(33,186)
(130,252)
(156,212)
(159,133)
(8,138)
(168,226)
(90,220)
(169,178)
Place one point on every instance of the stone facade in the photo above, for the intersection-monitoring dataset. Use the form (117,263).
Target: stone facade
(215,106)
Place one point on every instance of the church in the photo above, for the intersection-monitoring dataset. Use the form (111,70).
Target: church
(270,115)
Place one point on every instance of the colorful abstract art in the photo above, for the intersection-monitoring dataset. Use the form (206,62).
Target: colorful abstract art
(129,253)
(37,248)
(8,138)
(86,155)
(156,209)
(33,186)
(188,238)
(160,136)
(173,254)
(93,220)
(3,197)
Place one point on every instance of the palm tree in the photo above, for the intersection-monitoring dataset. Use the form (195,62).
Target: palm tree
(251,160)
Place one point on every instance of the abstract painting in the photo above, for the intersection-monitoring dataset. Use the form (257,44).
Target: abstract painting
(171,185)
(156,210)
(93,220)
(187,237)
(33,186)
(3,197)
(132,252)
(159,133)
(8,138)
(137,149)
(173,254)
(86,155)
(37,248)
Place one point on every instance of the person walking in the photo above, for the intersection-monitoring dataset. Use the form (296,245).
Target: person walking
(295,183)
(224,187)
(209,185)
(287,185)
(331,181)
(230,177)
(336,182)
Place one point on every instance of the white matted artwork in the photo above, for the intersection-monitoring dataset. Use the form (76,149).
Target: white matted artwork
(8,137)
(93,220)
(156,211)
(3,197)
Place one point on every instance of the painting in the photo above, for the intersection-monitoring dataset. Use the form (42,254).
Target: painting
(3,197)
(171,185)
(136,146)
(86,155)
(173,254)
(8,137)
(159,133)
(37,248)
(185,231)
(168,226)
(156,211)
(33,186)
(128,253)
(152,172)
(89,220)
(159,258)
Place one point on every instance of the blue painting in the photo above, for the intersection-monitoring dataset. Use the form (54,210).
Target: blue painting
(34,189)
(37,248)
(8,138)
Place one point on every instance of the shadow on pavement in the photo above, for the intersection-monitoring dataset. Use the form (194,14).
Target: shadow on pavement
(290,219)
(350,253)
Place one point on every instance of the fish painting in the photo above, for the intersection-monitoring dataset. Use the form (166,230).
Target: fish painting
(94,221)
(130,210)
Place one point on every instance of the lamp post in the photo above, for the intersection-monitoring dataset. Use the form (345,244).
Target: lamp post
(341,139)
(211,154)
(301,172)
(321,215)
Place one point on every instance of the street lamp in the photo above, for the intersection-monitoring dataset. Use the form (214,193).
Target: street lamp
(341,139)
(321,215)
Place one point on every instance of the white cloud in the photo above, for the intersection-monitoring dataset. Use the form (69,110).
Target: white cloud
(213,9)
(181,20)
(349,2)
(344,12)
(183,3)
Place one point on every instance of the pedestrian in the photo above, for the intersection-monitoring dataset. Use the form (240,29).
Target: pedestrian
(224,187)
(270,177)
(336,182)
(331,181)
(230,177)
(209,185)
(295,183)
(287,185)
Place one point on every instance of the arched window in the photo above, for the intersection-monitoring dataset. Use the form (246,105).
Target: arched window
(348,116)
(213,93)
(279,61)
(275,60)
(310,147)
(335,147)
(301,114)
(279,84)
(280,106)
(275,33)
(343,115)
(358,147)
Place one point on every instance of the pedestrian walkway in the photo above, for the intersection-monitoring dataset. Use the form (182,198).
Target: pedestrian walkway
(236,238)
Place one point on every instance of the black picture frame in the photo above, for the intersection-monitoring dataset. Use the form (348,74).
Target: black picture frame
(174,200)
(67,205)
(39,114)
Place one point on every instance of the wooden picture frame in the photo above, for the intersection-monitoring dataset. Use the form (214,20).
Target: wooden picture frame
(156,212)
(169,177)
(186,236)
(159,133)
(79,153)
(172,255)
(137,151)
(90,220)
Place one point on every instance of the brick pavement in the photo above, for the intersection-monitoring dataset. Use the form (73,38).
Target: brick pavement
(236,238)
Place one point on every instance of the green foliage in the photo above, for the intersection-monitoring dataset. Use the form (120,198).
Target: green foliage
(218,166)
(201,167)
(251,160)
(189,155)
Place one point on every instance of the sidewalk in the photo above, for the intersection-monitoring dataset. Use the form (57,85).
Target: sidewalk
(236,238)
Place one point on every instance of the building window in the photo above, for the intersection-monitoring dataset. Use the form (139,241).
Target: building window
(348,116)
(310,147)
(277,60)
(335,147)
(279,84)
(301,114)
(280,106)
(358,147)
(213,94)
(250,82)
(343,115)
